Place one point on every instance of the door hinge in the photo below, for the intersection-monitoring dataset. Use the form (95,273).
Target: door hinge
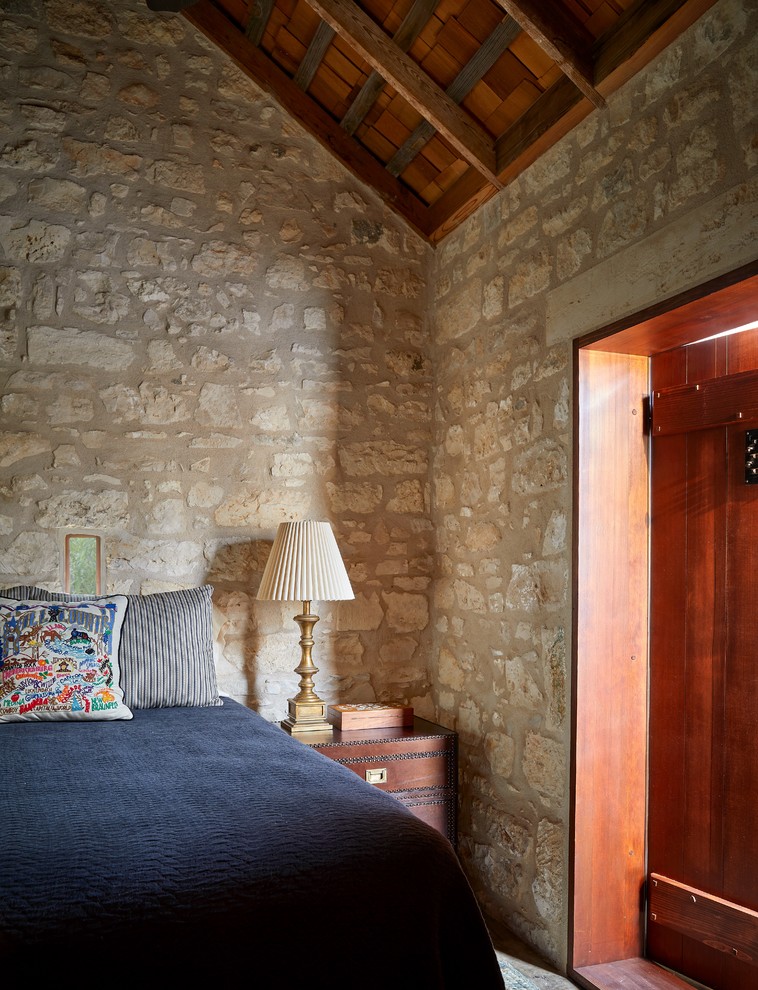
(751,457)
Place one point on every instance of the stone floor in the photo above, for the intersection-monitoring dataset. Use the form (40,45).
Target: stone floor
(525,959)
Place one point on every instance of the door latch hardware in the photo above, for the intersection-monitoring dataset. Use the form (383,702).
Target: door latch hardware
(751,457)
(378,776)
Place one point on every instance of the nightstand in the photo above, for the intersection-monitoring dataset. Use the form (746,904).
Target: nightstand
(418,766)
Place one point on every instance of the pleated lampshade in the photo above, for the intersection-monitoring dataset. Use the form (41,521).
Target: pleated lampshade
(305,565)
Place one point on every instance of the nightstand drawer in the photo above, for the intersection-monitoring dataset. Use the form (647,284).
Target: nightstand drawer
(417,766)
(401,770)
(436,808)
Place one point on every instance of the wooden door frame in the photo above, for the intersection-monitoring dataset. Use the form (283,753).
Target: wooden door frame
(607,856)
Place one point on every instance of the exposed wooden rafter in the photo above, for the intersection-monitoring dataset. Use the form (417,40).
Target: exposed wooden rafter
(558,110)
(312,59)
(550,109)
(461,130)
(260,11)
(251,60)
(458,90)
(510,100)
(562,38)
(561,107)
(410,28)
(648,25)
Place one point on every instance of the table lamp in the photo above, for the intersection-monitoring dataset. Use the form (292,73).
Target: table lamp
(305,565)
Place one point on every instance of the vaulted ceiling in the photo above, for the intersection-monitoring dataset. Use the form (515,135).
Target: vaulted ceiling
(436,104)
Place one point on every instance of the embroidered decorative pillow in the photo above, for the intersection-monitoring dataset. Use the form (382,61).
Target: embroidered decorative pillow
(166,654)
(59,660)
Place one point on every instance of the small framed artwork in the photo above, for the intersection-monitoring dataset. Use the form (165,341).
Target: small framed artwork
(82,564)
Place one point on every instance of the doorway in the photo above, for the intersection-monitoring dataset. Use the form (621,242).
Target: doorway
(608,844)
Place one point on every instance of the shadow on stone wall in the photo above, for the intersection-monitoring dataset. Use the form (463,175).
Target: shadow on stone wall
(240,625)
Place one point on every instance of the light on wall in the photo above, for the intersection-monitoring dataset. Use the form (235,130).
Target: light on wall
(305,565)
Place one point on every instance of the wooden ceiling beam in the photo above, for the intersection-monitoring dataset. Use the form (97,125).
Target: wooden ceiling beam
(590,69)
(411,27)
(469,139)
(549,109)
(471,73)
(563,39)
(314,55)
(462,199)
(641,33)
(558,110)
(205,16)
(260,11)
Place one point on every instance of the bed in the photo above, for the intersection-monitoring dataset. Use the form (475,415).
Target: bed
(199,841)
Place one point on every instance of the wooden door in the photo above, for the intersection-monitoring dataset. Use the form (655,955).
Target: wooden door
(702,918)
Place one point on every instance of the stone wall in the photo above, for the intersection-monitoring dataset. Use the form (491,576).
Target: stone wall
(207,326)
(655,194)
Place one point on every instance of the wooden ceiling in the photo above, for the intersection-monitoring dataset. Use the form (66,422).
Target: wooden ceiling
(438,103)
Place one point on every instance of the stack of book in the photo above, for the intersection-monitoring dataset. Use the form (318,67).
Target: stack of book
(369,716)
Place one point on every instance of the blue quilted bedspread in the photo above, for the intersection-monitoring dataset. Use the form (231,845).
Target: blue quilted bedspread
(207,843)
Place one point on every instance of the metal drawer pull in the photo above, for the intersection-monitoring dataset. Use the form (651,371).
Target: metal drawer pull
(378,776)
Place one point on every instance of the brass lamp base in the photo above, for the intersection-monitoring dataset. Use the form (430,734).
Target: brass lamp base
(305,717)
(307,712)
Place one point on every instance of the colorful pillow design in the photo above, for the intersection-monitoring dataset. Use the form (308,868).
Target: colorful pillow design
(59,660)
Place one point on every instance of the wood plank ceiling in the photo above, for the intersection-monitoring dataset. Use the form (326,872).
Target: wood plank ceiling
(436,104)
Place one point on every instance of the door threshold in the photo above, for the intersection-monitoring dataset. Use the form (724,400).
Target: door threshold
(629,974)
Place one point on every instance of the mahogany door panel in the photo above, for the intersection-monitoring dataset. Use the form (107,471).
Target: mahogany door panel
(703,745)
(741,685)
(685,770)
(740,846)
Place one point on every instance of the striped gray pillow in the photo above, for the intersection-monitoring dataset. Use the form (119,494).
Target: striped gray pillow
(166,651)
